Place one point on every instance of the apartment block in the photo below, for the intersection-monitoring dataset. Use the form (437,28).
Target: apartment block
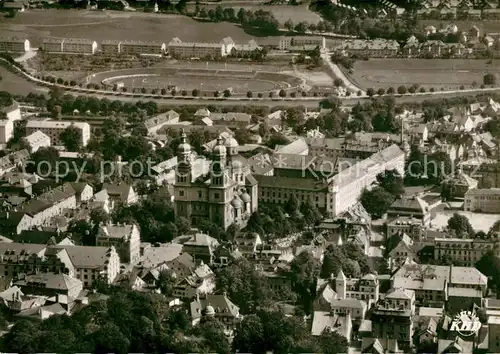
(79,46)
(376,48)
(14,45)
(47,205)
(142,47)
(13,113)
(180,49)
(53,45)
(53,130)
(125,238)
(111,47)
(285,43)
(347,186)
(482,200)
(37,140)
(465,251)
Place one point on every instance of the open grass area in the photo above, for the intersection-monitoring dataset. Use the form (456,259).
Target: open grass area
(101,25)
(17,85)
(449,74)
(282,13)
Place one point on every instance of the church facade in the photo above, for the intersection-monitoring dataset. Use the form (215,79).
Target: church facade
(226,195)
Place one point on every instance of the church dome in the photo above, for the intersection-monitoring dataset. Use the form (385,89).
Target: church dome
(246,198)
(237,203)
(231,143)
(184,147)
(209,310)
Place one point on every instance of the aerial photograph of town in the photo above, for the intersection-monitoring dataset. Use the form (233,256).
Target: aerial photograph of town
(250,176)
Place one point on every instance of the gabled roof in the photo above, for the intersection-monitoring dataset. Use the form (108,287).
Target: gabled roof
(50,281)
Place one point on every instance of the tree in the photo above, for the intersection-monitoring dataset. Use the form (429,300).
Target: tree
(249,337)
(402,90)
(304,271)
(282,93)
(292,204)
(227,93)
(332,343)
(183,225)
(390,91)
(301,27)
(376,201)
(338,82)
(195,93)
(380,91)
(249,94)
(71,137)
(289,25)
(392,182)
(370,92)
(489,79)
(99,216)
(460,225)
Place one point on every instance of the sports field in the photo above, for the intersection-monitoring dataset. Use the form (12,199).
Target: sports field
(113,25)
(240,81)
(449,74)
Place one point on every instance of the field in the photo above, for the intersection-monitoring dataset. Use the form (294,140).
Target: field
(448,74)
(282,13)
(17,85)
(101,25)
(208,80)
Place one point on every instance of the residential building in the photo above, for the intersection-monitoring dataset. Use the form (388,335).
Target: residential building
(201,247)
(216,306)
(482,200)
(465,251)
(93,263)
(347,186)
(37,140)
(53,45)
(49,204)
(431,283)
(376,48)
(14,222)
(125,239)
(285,43)
(14,45)
(53,130)
(111,47)
(142,47)
(226,196)
(79,46)
(402,252)
(50,284)
(13,113)
(365,288)
(200,283)
(455,187)
(277,190)
(392,316)
(247,243)
(413,207)
(410,226)
(249,47)
(182,50)
(234,119)
(157,122)
(121,193)
(325,321)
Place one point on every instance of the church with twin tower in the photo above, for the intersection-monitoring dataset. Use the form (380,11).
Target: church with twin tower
(226,195)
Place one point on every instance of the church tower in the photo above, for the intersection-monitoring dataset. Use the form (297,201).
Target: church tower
(183,178)
(221,187)
(341,285)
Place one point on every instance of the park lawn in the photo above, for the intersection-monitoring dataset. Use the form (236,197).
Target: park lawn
(448,74)
(111,25)
(16,85)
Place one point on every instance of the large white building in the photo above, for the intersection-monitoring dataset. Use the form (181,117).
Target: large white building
(347,186)
(179,49)
(37,140)
(482,200)
(125,238)
(12,113)
(14,45)
(53,130)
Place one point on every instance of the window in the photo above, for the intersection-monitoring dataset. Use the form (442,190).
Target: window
(200,195)
(181,193)
(216,195)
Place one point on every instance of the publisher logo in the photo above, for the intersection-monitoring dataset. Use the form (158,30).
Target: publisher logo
(466,323)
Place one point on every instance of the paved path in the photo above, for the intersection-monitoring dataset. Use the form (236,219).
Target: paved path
(338,73)
(26,56)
